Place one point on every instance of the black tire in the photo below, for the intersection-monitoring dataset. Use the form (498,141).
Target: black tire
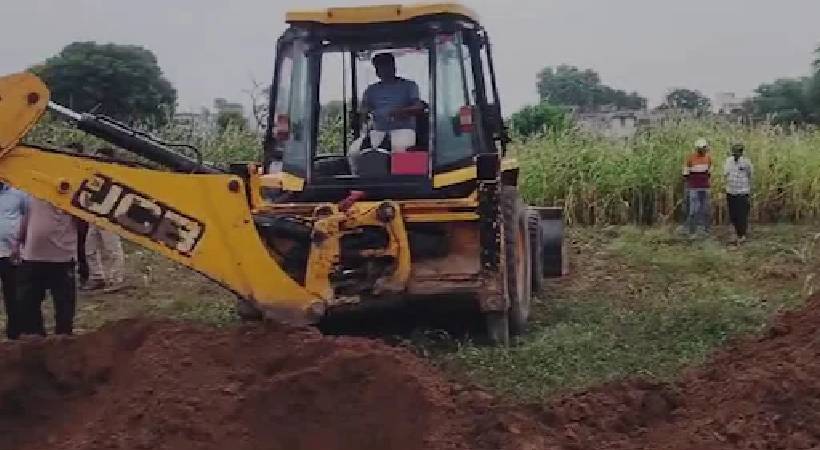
(536,251)
(517,262)
(554,248)
(498,327)
(247,312)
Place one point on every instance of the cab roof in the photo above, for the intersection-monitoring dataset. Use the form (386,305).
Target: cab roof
(379,14)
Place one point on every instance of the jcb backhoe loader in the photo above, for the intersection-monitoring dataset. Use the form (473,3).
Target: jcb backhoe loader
(341,210)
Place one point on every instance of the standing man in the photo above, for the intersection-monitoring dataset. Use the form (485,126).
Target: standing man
(738,171)
(12,210)
(49,249)
(103,252)
(697,171)
(82,227)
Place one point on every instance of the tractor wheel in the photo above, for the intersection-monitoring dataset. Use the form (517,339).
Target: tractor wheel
(247,312)
(555,258)
(536,251)
(518,267)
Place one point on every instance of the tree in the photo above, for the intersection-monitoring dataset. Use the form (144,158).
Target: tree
(121,81)
(688,99)
(813,95)
(813,87)
(570,86)
(331,111)
(785,100)
(539,118)
(816,63)
(230,118)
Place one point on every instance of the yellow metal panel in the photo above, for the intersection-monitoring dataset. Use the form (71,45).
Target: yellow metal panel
(441,217)
(292,183)
(221,239)
(468,173)
(454,177)
(378,14)
(23,99)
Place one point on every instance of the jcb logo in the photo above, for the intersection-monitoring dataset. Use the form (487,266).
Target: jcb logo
(138,213)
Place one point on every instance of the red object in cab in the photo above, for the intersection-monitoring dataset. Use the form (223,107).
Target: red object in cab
(465,119)
(281,127)
(411,162)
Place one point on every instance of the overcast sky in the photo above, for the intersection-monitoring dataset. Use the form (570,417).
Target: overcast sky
(214,48)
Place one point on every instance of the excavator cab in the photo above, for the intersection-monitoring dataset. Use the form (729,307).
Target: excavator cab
(384,176)
(327,137)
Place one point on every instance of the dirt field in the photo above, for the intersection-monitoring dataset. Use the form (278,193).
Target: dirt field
(760,393)
(596,372)
(165,385)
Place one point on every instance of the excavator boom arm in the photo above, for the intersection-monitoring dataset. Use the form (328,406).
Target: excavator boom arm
(201,220)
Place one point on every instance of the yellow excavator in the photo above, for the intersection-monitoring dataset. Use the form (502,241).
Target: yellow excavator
(341,209)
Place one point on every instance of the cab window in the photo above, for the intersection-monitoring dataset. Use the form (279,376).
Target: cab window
(455,101)
(290,122)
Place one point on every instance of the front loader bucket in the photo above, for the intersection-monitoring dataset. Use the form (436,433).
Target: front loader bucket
(23,99)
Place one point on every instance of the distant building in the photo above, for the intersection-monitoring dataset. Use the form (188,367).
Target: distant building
(624,124)
(205,121)
(728,103)
(615,124)
(223,106)
(195,122)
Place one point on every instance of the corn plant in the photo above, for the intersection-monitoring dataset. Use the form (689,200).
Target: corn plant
(598,180)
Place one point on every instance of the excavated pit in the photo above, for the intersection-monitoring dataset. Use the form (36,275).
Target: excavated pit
(169,385)
(757,393)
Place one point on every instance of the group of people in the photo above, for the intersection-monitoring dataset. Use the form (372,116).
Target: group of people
(697,171)
(43,249)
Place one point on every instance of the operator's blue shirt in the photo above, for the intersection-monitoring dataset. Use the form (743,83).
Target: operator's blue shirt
(385,96)
(12,208)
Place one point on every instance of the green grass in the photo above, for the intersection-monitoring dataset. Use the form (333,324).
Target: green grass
(639,302)
(651,304)
(158,287)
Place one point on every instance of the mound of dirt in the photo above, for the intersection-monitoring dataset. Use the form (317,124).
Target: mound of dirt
(755,394)
(172,386)
(166,385)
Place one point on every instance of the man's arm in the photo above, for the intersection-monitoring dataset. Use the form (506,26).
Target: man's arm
(364,105)
(415,106)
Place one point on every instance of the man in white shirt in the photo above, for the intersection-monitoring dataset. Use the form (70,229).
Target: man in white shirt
(49,250)
(738,172)
(103,252)
(12,209)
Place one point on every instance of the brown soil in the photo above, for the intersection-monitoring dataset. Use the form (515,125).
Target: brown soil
(167,385)
(755,394)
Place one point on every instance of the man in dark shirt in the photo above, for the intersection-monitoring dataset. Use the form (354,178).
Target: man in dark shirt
(394,103)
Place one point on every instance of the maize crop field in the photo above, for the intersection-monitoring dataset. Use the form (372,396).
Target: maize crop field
(638,181)
(598,180)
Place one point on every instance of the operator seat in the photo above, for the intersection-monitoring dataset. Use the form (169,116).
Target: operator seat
(378,159)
